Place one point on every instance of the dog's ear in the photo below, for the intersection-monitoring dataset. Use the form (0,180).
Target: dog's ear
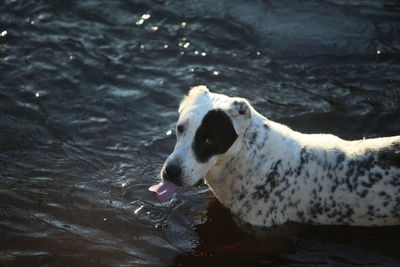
(240,112)
(241,107)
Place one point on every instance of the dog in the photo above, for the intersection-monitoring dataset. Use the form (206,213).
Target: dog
(268,174)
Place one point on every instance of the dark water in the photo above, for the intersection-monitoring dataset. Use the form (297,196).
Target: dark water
(88,98)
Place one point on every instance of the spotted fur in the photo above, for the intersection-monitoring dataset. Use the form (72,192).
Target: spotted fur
(270,174)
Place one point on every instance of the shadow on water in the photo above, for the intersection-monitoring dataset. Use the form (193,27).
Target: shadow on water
(224,242)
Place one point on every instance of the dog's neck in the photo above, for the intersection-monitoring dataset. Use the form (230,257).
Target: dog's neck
(222,176)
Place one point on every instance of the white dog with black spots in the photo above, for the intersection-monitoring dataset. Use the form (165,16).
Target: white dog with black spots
(268,174)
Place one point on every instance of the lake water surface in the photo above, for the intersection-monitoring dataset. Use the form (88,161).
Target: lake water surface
(89,92)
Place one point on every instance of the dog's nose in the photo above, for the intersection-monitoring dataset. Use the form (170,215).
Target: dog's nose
(173,172)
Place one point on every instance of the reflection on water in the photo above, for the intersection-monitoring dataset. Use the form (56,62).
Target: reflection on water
(88,101)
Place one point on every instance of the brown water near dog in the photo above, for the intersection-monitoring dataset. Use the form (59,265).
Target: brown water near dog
(88,103)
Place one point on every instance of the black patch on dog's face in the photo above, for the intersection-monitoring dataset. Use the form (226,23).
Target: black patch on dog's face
(214,136)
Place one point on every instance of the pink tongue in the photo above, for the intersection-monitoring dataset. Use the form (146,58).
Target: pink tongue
(164,190)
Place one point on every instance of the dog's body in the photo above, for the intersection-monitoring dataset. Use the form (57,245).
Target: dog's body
(268,174)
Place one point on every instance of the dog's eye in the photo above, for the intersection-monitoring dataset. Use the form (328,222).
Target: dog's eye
(179,128)
(209,141)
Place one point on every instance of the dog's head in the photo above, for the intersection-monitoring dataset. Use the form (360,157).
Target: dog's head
(210,128)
